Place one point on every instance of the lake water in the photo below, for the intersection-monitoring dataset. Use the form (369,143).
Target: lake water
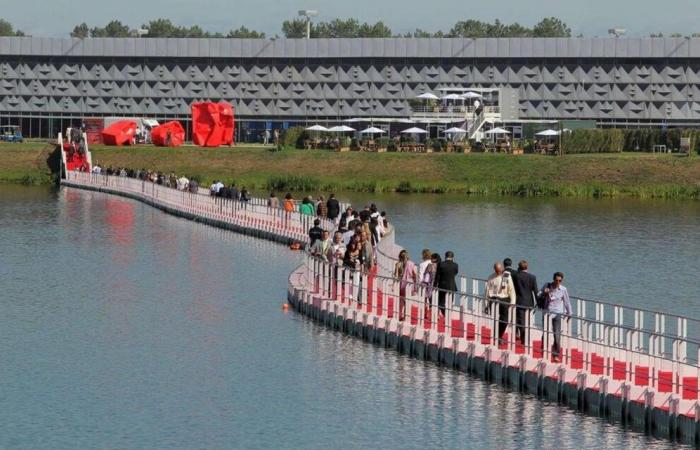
(123,327)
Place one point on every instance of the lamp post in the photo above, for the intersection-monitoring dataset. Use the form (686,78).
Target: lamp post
(308,14)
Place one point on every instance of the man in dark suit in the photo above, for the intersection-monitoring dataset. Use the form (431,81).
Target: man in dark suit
(525,298)
(445,279)
(333,207)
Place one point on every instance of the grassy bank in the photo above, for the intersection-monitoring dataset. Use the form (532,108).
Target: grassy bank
(590,175)
(26,163)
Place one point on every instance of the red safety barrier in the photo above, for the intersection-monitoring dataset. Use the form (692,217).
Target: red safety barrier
(597,365)
(619,370)
(519,348)
(641,375)
(665,381)
(390,307)
(441,324)
(537,349)
(503,343)
(576,360)
(380,298)
(485,335)
(471,332)
(414,315)
(428,318)
(457,330)
(690,388)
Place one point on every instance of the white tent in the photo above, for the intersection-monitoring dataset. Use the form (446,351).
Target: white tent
(496,130)
(471,95)
(547,133)
(428,96)
(455,130)
(317,128)
(341,129)
(414,130)
(452,97)
(372,130)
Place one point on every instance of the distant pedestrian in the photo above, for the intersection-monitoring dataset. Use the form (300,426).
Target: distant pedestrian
(425,262)
(266,137)
(332,207)
(525,298)
(273,201)
(338,248)
(500,290)
(322,247)
(445,280)
(321,207)
(557,304)
(289,205)
(307,207)
(407,274)
(315,232)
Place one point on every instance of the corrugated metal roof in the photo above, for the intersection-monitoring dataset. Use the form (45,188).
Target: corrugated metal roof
(356,48)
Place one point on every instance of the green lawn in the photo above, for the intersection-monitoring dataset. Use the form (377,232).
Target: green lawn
(637,174)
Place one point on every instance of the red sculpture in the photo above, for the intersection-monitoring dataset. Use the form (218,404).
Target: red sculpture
(169,134)
(212,124)
(119,133)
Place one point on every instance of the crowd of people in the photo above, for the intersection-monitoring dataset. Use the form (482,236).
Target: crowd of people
(353,245)
(181,183)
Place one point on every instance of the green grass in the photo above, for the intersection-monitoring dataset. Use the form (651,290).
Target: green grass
(587,175)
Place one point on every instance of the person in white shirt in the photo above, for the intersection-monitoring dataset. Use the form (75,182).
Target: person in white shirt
(426,254)
(219,185)
(501,289)
(183,183)
(97,169)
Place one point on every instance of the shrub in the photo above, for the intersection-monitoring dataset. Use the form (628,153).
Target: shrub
(384,142)
(293,137)
(594,141)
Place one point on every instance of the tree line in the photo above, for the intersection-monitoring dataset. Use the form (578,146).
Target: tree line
(336,28)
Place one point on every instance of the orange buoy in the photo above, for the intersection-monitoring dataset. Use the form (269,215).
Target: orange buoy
(285,307)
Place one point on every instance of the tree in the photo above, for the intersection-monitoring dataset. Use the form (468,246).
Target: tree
(551,27)
(338,28)
(113,29)
(162,28)
(7,29)
(296,28)
(80,31)
(378,30)
(470,29)
(245,33)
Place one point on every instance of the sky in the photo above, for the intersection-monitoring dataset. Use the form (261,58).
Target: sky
(57,18)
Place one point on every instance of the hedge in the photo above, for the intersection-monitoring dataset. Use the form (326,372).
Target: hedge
(593,141)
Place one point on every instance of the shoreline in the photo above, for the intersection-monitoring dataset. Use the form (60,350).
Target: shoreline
(624,175)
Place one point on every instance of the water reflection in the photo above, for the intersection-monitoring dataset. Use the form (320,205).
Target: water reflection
(182,344)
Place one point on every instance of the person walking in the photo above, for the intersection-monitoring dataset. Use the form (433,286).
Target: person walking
(321,207)
(425,262)
(525,299)
(501,290)
(407,273)
(289,205)
(557,304)
(445,276)
(322,247)
(315,232)
(266,137)
(332,207)
(307,207)
(273,201)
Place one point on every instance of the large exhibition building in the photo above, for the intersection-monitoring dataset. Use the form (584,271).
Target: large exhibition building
(47,84)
